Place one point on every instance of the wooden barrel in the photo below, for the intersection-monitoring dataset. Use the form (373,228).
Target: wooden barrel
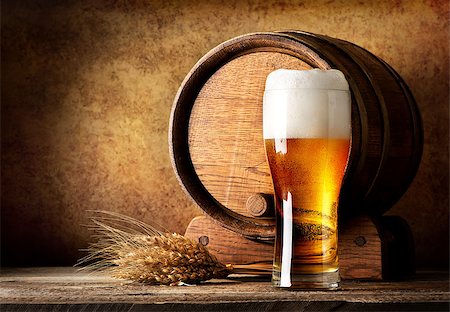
(215,134)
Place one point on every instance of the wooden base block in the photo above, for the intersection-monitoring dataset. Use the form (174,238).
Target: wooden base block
(368,249)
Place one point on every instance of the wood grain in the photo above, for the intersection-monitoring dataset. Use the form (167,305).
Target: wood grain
(363,261)
(225,129)
(360,249)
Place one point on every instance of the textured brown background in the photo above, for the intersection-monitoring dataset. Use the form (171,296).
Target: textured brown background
(87,90)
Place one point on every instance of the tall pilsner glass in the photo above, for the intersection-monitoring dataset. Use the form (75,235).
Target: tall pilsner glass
(307,134)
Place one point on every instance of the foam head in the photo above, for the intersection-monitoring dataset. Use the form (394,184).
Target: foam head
(331,79)
(307,104)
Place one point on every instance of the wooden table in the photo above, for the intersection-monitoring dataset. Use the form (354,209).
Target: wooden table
(63,289)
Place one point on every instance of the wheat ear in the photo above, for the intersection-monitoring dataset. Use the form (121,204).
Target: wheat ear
(130,249)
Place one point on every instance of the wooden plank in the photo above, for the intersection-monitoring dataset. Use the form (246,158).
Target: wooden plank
(64,286)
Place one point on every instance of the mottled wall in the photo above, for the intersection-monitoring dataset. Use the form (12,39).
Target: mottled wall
(87,87)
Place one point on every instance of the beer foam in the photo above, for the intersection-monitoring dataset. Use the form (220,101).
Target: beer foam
(306,104)
(331,79)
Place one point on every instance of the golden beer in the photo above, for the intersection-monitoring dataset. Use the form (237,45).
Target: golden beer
(307,141)
(311,171)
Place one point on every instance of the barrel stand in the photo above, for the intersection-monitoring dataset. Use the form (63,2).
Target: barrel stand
(378,248)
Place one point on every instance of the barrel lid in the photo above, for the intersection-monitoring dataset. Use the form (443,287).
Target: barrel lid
(215,134)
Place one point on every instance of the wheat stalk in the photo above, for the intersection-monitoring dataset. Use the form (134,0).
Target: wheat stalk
(130,249)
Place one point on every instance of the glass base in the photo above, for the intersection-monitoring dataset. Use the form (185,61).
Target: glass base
(327,280)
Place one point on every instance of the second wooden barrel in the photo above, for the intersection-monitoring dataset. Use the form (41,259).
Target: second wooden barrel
(215,133)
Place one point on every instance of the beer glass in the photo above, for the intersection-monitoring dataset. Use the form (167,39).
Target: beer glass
(307,136)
